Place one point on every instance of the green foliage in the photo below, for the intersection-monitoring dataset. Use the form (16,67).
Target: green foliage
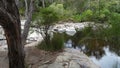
(111,32)
(87,31)
(75,5)
(61,11)
(98,11)
(76,18)
(42,45)
(56,43)
(49,16)
(114,6)
(22,11)
(114,31)
(86,16)
(67,15)
(58,8)
(101,16)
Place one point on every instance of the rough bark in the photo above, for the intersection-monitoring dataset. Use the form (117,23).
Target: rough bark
(10,21)
(28,21)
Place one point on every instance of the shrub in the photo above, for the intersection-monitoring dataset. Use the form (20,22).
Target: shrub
(101,16)
(56,43)
(76,18)
(64,14)
(48,16)
(86,16)
(113,32)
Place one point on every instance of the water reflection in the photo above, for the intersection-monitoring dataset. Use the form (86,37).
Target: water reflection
(109,60)
(94,47)
(99,50)
(90,46)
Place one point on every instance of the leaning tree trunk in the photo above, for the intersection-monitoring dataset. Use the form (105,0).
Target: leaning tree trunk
(10,21)
(28,14)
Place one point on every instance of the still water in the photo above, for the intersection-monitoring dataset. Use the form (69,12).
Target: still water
(101,53)
(108,60)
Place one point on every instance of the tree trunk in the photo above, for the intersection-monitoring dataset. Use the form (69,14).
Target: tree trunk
(28,21)
(43,3)
(10,21)
(26,8)
(17,3)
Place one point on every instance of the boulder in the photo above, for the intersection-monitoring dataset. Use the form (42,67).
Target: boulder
(71,58)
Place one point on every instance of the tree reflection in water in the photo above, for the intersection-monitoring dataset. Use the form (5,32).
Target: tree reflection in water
(103,52)
(90,44)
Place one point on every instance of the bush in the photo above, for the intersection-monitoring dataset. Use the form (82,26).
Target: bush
(63,13)
(57,8)
(76,18)
(113,33)
(101,16)
(87,15)
(49,16)
(56,43)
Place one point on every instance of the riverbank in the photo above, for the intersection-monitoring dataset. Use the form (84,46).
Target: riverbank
(71,58)
(35,58)
(34,55)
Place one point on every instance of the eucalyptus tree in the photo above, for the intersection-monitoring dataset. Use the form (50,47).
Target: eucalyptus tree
(28,16)
(10,21)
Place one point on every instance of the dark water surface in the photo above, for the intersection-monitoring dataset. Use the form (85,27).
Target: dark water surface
(99,51)
(100,54)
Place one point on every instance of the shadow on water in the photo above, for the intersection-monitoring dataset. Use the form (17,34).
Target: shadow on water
(102,52)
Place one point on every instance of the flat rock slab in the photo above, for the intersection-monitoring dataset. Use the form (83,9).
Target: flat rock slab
(71,58)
